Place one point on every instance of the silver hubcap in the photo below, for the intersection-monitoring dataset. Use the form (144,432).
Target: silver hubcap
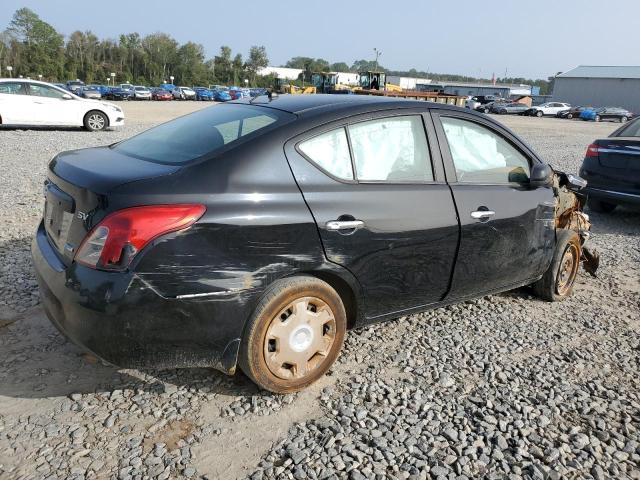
(299,338)
(96,122)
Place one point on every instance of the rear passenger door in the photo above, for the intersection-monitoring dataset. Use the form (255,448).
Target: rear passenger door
(14,104)
(507,228)
(377,191)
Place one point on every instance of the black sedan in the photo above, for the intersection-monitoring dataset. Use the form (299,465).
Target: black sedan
(570,113)
(117,93)
(612,168)
(255,233)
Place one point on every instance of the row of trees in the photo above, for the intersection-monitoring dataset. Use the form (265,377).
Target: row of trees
(32,47)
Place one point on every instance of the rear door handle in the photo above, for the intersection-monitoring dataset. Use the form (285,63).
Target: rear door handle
(482,214)
(336,225)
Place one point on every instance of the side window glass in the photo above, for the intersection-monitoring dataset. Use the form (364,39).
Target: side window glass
(481,155)
(12,88)
(391,150)
(44,91)
(330,151)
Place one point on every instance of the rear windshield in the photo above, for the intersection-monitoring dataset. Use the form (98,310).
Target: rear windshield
(203,132)
(631,130)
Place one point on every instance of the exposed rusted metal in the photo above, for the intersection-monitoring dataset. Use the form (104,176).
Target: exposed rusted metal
(569,215)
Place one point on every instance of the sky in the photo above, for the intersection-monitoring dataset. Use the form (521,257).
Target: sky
(531,39)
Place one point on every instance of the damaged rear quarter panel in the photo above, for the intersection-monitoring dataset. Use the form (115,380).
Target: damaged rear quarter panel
(256,229)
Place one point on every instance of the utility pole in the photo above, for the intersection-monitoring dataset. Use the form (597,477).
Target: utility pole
(378,53)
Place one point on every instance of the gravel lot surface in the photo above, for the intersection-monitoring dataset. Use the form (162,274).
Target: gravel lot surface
(506,386)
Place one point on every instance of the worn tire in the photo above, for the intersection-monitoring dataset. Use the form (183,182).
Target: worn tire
(278,296)
(549,286)
(95,121)
(600,206)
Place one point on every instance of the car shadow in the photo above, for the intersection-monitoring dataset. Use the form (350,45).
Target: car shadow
(36,361)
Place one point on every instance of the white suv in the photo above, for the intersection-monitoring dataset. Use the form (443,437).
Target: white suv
(33,103)
(550,108)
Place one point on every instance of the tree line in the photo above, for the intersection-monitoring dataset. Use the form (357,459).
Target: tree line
(32,47)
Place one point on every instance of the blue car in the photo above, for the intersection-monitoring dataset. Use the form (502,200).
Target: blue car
(221,95)
(203,93)
(588,114)
(103,89)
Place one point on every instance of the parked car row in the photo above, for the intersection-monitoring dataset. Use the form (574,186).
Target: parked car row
(500,106)
(166,91)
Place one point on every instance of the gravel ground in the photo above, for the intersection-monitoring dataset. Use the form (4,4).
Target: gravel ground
(503,387)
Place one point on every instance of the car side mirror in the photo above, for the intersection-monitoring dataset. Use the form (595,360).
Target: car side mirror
(541,175)
(66,96)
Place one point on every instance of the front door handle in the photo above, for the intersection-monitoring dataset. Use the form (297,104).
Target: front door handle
(482,214)
(336,225)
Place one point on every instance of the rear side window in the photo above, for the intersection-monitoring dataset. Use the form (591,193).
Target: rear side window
(12,88)
(201,133)
(391,150)
(330,151)
(481,155)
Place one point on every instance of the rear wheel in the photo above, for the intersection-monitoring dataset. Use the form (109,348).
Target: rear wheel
(557,282)
(600,206)
(539,113)
(95,121)
(597,119)
(294,335)
(569,116)
(623,119)
(486,110)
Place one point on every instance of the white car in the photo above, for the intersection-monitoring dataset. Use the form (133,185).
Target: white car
(471,103)
(550,108)
(33,103)
(184,93)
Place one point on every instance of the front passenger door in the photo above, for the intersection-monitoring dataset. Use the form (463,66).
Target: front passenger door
(507,228)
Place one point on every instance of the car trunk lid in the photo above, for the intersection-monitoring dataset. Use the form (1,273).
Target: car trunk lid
(76,192)
(619,153)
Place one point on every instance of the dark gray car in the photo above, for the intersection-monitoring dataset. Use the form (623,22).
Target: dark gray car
(510,108)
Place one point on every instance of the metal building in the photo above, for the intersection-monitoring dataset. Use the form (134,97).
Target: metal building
(600,86)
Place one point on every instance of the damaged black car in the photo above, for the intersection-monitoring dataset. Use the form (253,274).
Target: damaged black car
(255,233)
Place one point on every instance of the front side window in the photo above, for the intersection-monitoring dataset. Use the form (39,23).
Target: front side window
(391,150)
(481,155)
(12,88)
(45,91)
(330,151)
(201,133)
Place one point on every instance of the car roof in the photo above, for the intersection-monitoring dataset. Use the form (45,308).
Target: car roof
(310,105)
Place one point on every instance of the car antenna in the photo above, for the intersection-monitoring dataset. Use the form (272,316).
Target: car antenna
(270,94)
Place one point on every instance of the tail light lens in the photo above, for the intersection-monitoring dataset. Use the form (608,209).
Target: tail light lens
(115,241)
(593,150)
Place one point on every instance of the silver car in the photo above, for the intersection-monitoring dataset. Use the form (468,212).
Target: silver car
(184,93)
(141,93)
(91,93)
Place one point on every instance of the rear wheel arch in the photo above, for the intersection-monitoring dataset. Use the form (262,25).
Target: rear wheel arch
(344,290)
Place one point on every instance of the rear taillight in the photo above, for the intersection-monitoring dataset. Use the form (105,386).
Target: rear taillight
(593,150)
(113,243)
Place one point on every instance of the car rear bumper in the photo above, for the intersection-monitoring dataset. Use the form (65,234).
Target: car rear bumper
(613,195)
(119,318)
